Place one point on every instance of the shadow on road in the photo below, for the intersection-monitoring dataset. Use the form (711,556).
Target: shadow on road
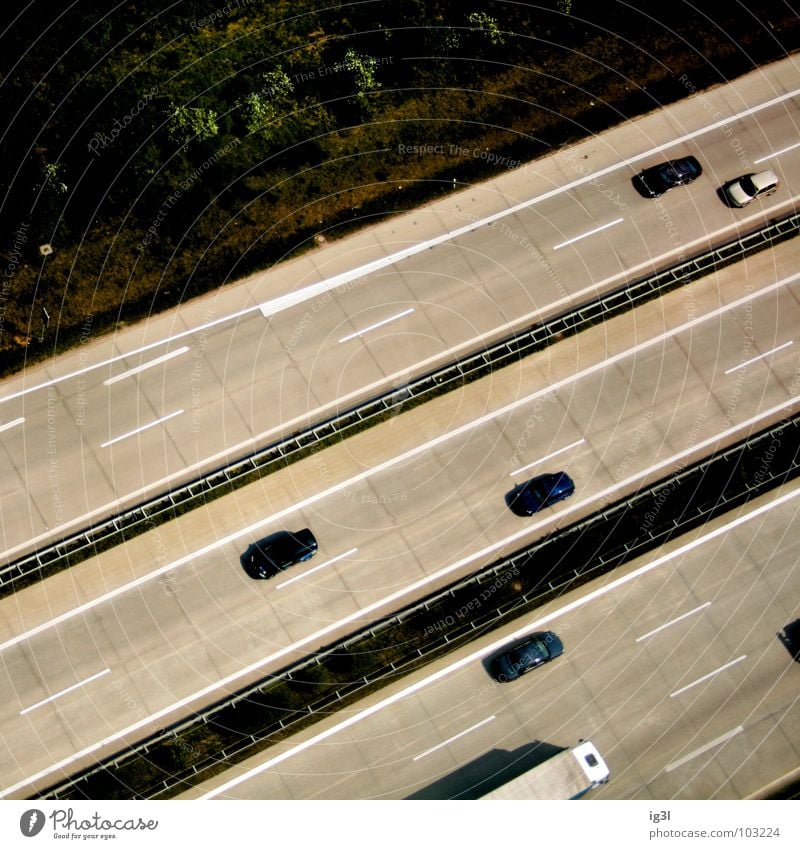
(790,637)
(488,772)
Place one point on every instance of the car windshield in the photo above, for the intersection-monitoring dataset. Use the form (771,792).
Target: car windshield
(279,551)
(281,554)
(538,491)
(748,187)
(530,653)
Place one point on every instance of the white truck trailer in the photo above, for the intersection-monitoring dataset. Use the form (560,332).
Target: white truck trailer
(567,775)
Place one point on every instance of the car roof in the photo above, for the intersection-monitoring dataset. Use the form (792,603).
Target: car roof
(761,179)
(531,650)
(547,477)
(685,163)
(303,536)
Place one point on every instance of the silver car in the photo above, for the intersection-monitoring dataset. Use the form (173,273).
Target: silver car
(742,190)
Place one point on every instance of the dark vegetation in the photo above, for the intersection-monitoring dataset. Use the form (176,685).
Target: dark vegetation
(163,150)
(562,561)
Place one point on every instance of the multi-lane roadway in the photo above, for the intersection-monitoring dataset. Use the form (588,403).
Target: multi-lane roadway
(143,634)
(673,667)
(129,414)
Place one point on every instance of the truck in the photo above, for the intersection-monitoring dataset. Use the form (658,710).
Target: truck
(568,775)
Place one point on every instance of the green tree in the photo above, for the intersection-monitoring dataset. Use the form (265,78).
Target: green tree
(362,67)
(51,179)
(265,103)
(488,25)
(49,191)
(187,123)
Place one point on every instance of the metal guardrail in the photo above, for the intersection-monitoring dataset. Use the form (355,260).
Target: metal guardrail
(150,513)
(471,626)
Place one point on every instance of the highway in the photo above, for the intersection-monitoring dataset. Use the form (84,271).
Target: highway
(129,414)
(118,645)
(674,670)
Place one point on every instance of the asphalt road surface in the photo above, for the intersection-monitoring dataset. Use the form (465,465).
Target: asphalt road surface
(147,632)
(673,667)
(131,413)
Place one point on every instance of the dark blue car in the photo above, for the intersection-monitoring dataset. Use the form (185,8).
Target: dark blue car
(274,553)
(531,653)
(654,181)
(540,492)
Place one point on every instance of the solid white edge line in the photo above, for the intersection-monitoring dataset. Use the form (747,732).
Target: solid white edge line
(776,153)
(376,325)
(587,234)
(111,360)
(545,459)
(12,423)
(141,429)
(454,738)
(673,621)
(476,655)
(270,307)
(439,440)
(64,692)
(703,749)
(145,366)
(286,427)
(759,357)
(359,614)
(285,301)
(416,585)
(707,676)
(317,568)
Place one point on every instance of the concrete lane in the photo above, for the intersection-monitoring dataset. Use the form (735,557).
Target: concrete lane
(628,655)
(429,518)
(84,448)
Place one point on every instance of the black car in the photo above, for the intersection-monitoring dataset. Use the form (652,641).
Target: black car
(277,552)
(540,492)
(790,637)
(531,653)
(654,181)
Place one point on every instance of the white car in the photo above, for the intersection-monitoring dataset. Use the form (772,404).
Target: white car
(741,191)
